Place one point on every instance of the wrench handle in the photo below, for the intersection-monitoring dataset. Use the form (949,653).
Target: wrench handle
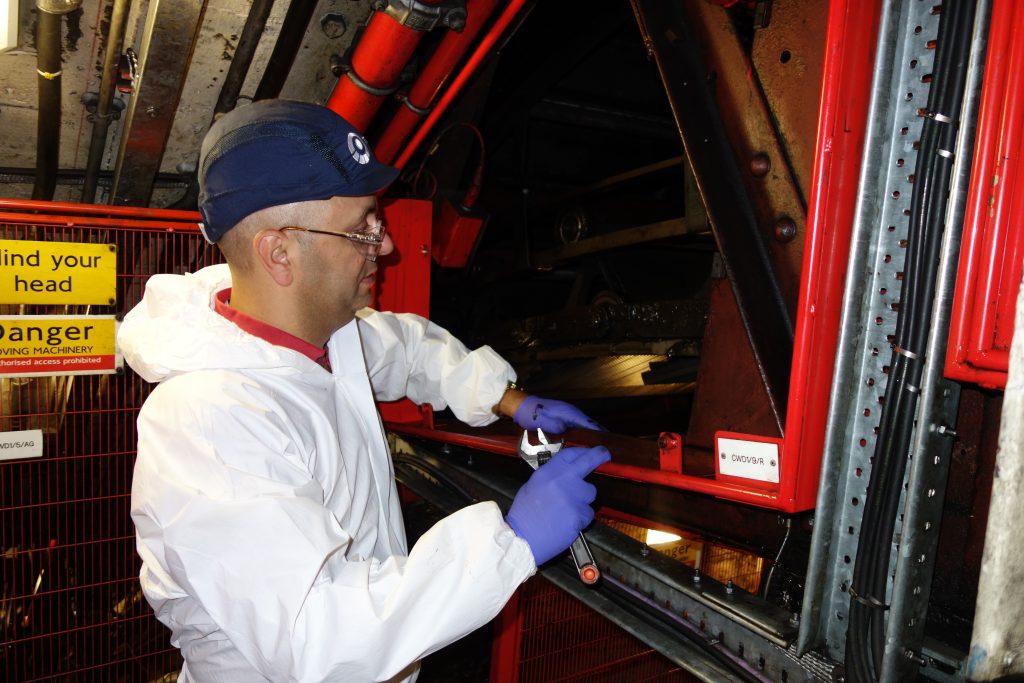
(585,565)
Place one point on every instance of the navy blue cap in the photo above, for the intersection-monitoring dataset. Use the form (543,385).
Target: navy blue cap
(274,152)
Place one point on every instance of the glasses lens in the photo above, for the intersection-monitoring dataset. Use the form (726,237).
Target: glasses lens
(378,233)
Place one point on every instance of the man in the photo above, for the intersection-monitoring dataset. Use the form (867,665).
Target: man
(265,506)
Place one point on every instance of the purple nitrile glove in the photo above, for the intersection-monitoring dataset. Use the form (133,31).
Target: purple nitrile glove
(553,506)
(554,417)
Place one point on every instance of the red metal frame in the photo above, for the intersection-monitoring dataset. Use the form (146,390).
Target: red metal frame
(990,268)
(848,70)
(404,283)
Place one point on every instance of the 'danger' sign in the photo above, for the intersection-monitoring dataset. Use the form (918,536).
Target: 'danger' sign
(57,273)
(33,345)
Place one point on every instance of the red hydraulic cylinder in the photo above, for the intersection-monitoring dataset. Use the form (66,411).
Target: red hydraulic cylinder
(378,60)
(432,79)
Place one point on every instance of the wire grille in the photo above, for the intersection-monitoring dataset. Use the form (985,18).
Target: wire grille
(71,607)
(564,640)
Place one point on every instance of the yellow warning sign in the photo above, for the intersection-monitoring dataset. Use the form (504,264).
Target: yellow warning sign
(58,345)
(57,273)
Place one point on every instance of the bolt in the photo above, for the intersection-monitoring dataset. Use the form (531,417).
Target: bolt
(910,654)
(760,164)
(946,431)
(696,576)
(794,619)
(152,112)
(333,25)
(456,20)
(645,551)
(729,588)
(785,229)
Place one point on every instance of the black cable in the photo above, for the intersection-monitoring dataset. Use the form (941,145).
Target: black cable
(435,473)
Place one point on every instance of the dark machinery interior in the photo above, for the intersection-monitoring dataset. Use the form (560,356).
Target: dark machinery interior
(626,203)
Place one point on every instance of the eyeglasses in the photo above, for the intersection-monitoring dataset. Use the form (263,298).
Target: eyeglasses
(372,239)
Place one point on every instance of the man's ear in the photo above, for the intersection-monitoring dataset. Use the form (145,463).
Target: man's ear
(272,248)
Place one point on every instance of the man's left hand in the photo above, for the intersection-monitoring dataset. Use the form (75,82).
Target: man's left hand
(554,417)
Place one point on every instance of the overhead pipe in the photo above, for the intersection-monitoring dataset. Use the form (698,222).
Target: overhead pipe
(48,66)
(387,44)
(101,118)
(293,31)
(472,64)
(255,22)
(432,80)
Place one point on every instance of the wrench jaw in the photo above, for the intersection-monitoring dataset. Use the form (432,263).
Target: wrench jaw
(536,455)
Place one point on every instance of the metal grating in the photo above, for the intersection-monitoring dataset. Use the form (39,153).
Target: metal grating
(71,607)
(564,640)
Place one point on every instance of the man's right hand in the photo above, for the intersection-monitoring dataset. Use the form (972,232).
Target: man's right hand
(553,506)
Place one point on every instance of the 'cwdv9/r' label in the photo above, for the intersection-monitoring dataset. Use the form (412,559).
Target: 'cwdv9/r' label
(748,459)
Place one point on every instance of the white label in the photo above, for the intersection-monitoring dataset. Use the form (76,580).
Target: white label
(749,459)
(25,444)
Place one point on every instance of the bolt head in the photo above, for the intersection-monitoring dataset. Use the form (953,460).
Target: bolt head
(760,164)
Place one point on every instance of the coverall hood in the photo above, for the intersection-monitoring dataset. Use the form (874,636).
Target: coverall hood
(175,329)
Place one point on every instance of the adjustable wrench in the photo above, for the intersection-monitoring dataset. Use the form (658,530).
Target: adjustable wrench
(537,455)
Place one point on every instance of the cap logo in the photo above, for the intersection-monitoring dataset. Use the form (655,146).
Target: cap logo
(358,149)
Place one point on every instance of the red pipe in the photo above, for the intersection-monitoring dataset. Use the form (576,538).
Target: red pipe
(73,208)
(377,61)
(157,225)
(481,52)
(432,79)
(971,355)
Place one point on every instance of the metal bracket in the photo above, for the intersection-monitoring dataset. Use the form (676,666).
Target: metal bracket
(419,16)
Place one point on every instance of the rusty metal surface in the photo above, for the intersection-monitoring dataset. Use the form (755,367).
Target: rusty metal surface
(729,395)
(788,54)
(172,27)
(754,138)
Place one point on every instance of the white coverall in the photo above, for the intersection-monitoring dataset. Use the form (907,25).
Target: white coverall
(264,499)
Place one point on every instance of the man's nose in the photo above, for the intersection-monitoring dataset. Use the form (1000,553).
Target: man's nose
(387,246)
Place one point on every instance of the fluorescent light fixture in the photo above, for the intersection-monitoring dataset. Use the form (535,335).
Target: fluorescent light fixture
(655,537)
(8,25)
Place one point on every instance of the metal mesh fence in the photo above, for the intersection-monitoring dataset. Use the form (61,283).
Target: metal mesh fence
(71,607)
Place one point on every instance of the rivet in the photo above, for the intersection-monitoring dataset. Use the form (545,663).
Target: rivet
(785,229)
